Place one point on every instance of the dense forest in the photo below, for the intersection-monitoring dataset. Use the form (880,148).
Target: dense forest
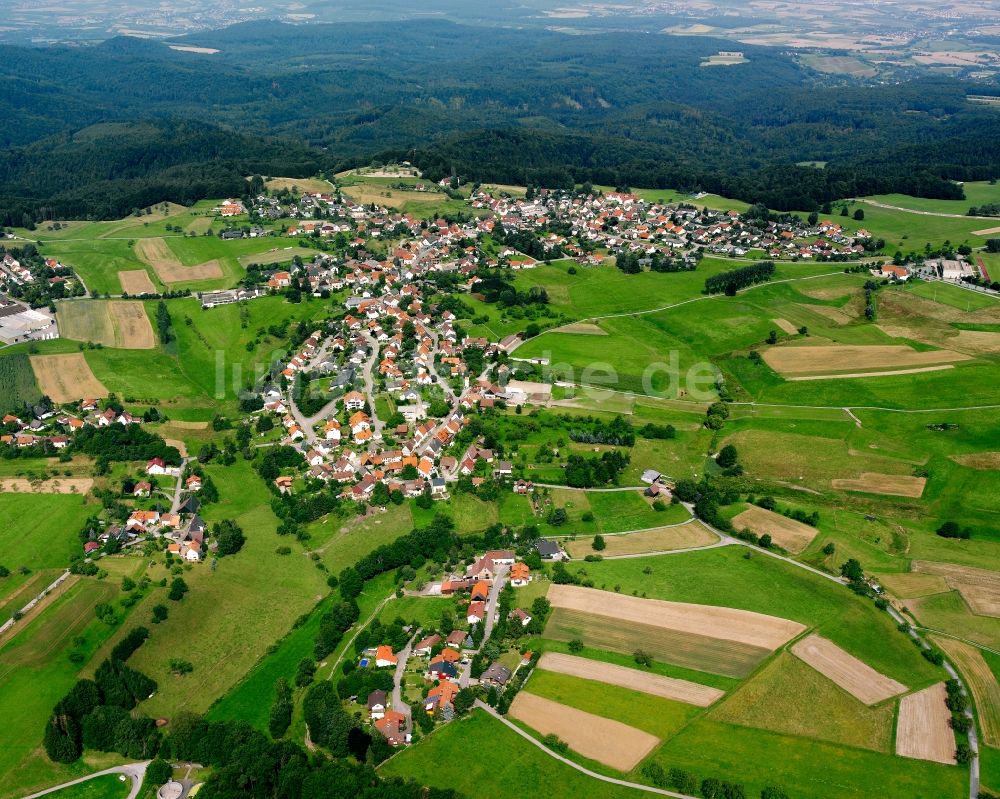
(96,131)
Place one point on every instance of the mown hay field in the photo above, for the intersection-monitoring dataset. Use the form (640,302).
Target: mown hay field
(923,730)
(157,253)
(789,697)
(982,683)
(663,539)
(896,485)
(609,742)
(805,360)
(690,650)
(980,588)
(122,324)
(66,378)
(632,679)
(136,281)
(853,675)
(787,533)
(740,626)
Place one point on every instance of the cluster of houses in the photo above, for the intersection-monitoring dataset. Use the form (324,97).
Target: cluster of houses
(447,655)
(621,222)
(54,426)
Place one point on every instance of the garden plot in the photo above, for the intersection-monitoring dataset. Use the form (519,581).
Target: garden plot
(609,742)
(857,678)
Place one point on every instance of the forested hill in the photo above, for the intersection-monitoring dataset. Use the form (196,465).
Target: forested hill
(502,104)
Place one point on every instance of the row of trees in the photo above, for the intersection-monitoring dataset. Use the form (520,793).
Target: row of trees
(730,282)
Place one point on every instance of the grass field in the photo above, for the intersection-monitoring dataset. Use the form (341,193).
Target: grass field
(110,786)
(512,766)
(688,650)
(684,536)
(660,717)
(39,533)
(807,769)
(17,382)
(788,697)
(765,585)
(35,672)
(232,614)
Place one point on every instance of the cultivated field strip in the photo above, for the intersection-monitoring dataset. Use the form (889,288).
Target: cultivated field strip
(157,253)
(895,485)
(854,676)
(980,588)
(690,650)
(66,378)
(922,730)
(788,533)
(655,684)
(982,683)
(136,281)
(729,624)
(609,742)
(807,359)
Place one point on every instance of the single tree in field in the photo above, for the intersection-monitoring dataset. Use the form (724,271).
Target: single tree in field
(599,544)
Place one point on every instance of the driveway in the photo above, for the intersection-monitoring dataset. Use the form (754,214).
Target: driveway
(398,704)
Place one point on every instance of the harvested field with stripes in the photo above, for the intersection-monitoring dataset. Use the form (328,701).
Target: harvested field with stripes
(923,730)
(982,683)
(895,485)
(786,326)
(66,378)
(806,360)
(857,678)
(136,281)
(980,588)
(609,742)
(788,533)
(655,684)
(157,253)
(122,324)
(741,626)
(663,539)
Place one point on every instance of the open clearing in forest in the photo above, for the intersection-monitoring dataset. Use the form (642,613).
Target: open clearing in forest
(623,677)
(787,326)
(811,360)
(788,533)
(609,742)
(663,539)
(61,485)
(857,678)
(122,324)
(66,378)
(729,624)
(896,485)
(923,730)
(981,681)
(980,588)
(136,281)
(169,269)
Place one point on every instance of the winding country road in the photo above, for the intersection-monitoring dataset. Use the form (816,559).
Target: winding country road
(135,771)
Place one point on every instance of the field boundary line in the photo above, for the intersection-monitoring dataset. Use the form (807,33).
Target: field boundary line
(576,766)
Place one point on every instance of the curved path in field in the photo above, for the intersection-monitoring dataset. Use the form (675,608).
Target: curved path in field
(576,766)
(920,213)
(135,771)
